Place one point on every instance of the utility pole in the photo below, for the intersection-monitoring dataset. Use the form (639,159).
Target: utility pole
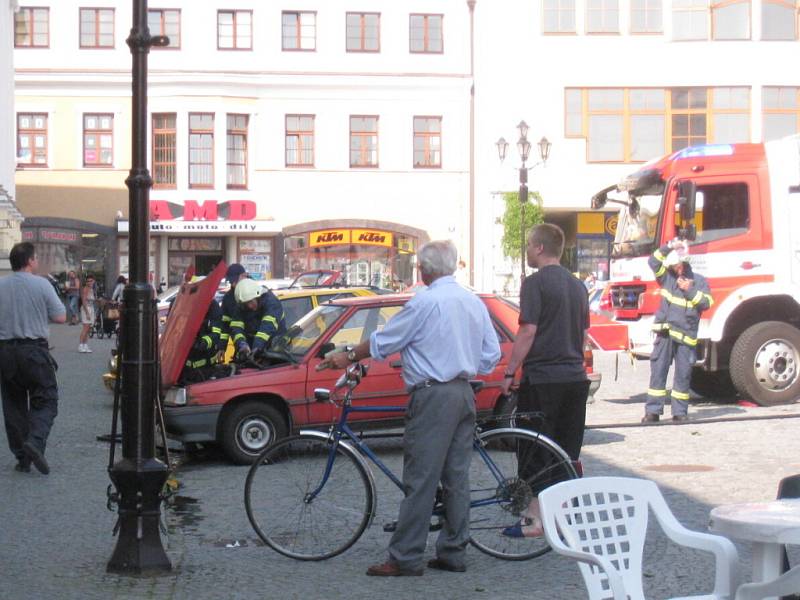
(139,477)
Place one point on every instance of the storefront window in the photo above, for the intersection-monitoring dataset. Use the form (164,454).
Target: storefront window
(200,254)
(256,257)
(593,253)
(124,257)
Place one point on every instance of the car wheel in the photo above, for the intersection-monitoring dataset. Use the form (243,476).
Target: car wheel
(764,363)
(716,385)
(249,428)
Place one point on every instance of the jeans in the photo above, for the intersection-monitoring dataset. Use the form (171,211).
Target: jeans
(72,307)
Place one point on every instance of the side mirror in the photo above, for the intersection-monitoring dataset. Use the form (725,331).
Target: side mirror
(687,197)
(688,233)
(322,394)
(325,348)
(599,200)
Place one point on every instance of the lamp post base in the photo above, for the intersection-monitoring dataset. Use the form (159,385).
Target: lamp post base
(139,549)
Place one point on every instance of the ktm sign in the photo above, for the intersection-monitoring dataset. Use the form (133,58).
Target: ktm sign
(331,237)
(209,210)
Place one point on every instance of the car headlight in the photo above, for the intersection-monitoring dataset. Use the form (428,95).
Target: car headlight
(176,396)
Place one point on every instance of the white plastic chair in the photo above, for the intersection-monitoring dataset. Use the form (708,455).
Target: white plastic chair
(602,522)
(788,583)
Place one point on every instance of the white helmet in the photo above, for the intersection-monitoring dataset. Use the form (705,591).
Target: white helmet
(247,290)
(679,253)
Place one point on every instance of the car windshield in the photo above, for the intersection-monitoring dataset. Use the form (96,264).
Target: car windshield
(304,334)
(168,293)
(637,227)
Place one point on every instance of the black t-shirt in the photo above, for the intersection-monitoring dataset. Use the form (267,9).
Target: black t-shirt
(557,303)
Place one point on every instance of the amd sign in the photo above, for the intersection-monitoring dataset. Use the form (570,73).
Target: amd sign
(209,210)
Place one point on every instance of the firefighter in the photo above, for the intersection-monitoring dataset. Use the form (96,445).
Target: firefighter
(257,319)
(234,274)
(684,296)
(203,355)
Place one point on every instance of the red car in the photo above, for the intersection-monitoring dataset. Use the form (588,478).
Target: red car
(247,410)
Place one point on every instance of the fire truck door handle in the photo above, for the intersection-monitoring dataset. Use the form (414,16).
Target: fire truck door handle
(747,265)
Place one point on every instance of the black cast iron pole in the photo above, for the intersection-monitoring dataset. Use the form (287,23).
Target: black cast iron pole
(139,477)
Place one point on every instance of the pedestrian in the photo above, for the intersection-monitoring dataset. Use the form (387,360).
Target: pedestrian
(553,319)
(590,282)
(73,294)
(87,309)
(233,275)
(684,297)
(119,287)
(27,371)
(461,274)
(445,337)
(257,318)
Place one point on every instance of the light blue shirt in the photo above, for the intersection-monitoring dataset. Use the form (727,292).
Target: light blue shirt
(444,332)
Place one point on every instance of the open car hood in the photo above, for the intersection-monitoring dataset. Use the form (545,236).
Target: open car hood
(183,324)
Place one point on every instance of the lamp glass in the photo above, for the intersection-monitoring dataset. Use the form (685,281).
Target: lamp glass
(544,148)
(523,128)
(524,147)
(502,148)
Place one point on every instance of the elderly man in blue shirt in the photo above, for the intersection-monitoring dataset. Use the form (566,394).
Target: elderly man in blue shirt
(445,337)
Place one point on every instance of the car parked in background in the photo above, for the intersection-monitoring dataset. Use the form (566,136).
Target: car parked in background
(252,407)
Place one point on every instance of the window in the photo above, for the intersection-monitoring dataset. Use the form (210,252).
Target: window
(97,28)
(165,22)
(299,30)
(164,144)
(32,139)
(602,16)
(237,151)
(646,16)
(690,19)
(638,124)
(427,142)
(32,28)
(201,150)
(781,107)
(299,140)
(363,32)
(730,19)
(235,29)
(98,140)
(779,19)
(294,308)
(363,141)
(425,34)
(722,211)
(558,16)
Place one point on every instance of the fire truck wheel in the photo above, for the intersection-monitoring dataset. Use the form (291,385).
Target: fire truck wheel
(715,385)
(249,428)
(765,363)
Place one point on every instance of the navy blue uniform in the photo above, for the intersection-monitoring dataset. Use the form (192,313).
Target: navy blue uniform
(676,323)
(204,351)
(228,310)
(257,327)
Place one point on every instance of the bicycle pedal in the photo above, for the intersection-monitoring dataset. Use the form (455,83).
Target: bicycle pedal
(392,527)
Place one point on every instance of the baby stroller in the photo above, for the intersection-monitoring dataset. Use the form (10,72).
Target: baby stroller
(106,322)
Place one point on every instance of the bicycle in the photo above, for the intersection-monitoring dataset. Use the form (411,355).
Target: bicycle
(312,495)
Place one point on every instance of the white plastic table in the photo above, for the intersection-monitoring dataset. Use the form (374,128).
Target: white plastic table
(768,525)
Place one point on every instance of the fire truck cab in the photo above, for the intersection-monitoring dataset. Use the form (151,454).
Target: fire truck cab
(738,205)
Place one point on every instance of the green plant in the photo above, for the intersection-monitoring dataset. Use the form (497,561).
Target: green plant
(534,214)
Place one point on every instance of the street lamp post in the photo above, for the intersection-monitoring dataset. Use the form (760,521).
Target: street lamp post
(139,476)
(524,149)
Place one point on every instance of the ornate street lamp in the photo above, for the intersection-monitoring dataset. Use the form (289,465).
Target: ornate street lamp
(524,149)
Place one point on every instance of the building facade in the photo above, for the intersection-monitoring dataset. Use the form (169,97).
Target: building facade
(320,134)
(10,217)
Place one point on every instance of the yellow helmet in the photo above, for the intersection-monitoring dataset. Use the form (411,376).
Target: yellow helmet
(247,290)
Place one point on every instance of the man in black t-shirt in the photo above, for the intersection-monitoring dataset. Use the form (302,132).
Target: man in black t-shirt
(553,319)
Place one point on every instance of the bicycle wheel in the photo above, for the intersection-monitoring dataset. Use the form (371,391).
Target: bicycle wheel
(287,519)
(509,468)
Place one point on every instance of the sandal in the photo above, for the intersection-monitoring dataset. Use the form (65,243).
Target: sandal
(526,527)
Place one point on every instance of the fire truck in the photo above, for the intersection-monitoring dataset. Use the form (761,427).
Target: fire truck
(738,205)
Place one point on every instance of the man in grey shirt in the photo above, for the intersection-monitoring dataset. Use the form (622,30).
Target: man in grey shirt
(27,371)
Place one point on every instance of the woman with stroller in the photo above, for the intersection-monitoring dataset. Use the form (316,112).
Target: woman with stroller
(87,313)
(116,295)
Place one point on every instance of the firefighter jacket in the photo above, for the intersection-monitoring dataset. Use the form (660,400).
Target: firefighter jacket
(257,327)
(228,309)
(204,349)
(679,312)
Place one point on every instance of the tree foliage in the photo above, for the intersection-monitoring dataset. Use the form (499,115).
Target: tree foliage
(534,214)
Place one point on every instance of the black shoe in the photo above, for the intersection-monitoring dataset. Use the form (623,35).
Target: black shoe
(650,418)
(680,418)
(36,457)
(23,466)
(443,565)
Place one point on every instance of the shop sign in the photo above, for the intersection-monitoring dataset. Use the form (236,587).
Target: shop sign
(611,224)
(208,210)
(329,237)
(218,227)
(371,237)
(28,235)
(59,236)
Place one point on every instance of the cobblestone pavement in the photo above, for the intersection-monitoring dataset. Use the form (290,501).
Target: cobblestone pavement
(56,531)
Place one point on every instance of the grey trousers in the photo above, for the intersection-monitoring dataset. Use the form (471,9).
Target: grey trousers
(437,447)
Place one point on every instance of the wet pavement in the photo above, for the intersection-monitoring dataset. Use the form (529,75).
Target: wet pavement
(56,532)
